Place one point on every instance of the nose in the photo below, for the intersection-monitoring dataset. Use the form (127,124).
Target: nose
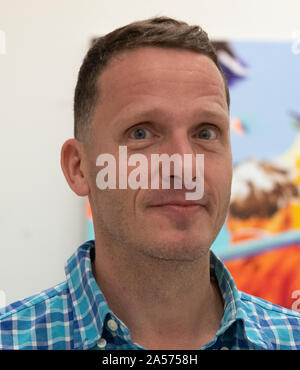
(179,148)
(178,143)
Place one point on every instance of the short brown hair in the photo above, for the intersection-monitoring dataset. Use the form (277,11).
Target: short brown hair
(159,32)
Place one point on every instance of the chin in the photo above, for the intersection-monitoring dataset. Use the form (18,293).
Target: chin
(178,250)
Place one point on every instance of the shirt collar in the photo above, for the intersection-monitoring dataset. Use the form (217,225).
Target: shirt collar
(234,308)
(91,310)
(89,305)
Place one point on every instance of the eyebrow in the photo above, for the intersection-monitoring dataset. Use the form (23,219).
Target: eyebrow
(137,115)
(143,115)
(218,114)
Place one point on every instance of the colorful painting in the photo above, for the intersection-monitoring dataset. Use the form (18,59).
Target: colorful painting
(260,240)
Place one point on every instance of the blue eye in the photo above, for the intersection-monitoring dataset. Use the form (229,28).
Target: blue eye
(206,134)
(139,134)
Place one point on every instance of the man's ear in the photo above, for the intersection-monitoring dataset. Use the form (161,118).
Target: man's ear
(72,164)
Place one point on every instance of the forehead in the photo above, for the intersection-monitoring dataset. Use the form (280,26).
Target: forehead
(159,75)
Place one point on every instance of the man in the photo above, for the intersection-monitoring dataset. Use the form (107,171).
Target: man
(149,280)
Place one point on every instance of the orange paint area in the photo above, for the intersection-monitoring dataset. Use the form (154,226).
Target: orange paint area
(260,212)
(273,275)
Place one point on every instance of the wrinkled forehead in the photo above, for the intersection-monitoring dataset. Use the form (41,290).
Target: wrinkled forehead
(131,70)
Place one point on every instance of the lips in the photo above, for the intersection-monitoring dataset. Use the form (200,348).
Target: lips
(178,204)
(178,210)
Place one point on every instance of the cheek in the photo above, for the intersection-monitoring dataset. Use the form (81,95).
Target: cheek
(112,212)
(113,201)
(218,175)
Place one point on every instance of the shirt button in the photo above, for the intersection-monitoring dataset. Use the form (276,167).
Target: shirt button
(101,343)
(224,348)
(112,325)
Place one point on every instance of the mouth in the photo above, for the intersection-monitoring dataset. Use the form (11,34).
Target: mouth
(179,203)
(179,208)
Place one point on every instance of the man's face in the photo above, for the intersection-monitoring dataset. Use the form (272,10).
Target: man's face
(154,101)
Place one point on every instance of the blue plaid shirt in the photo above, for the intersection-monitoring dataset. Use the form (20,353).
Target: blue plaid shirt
(75,315)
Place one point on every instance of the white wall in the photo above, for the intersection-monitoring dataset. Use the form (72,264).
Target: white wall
(41,220)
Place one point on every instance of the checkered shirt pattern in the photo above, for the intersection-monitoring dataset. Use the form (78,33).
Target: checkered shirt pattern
(74,315)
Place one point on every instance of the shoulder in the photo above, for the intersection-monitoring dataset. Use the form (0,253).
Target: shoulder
(37,322)
(279,327)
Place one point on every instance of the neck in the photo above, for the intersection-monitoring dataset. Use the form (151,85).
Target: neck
(166,304)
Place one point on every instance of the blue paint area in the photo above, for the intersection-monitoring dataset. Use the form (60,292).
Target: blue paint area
(222,241)
(257,246)
(90,230)
(264,99)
